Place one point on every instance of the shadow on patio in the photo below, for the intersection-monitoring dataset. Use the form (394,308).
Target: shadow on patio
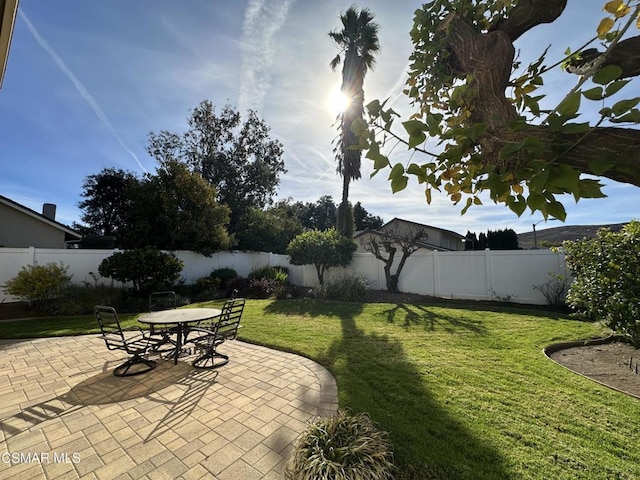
(58,397)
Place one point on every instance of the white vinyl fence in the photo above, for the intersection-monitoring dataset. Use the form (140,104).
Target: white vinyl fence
(476,275)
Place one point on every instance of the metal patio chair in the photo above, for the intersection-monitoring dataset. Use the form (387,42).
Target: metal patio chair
(115,339)
(222,328)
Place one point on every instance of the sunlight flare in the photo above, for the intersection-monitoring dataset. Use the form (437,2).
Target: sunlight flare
(336,101)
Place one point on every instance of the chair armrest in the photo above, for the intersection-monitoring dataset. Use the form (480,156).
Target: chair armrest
(201,333)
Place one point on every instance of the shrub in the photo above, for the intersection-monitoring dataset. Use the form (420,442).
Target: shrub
(345,287)
(147,268)
(240,284)
(80,300)
(554,290)
(268,288)
(324,249)
(39,285)
(274,273)
(606,282)
(207,284)
(342,447)
(223,276)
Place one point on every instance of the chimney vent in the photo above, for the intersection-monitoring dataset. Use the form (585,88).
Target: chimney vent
(49,210)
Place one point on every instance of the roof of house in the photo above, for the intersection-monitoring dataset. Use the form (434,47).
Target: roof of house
(38,216)
(421,225)
(8,11)
(423,243)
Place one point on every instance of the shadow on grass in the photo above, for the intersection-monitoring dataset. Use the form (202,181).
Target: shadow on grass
(421,315)
(314,308)
(375,375)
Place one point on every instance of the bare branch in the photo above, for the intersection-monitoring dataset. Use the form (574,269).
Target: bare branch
(626,55)
(528,14)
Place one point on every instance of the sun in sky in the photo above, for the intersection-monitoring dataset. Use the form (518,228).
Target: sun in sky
(336,101)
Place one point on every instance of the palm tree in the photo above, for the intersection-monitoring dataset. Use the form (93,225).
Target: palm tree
(358,42)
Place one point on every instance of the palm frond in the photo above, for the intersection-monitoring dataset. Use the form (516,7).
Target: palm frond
(335,62)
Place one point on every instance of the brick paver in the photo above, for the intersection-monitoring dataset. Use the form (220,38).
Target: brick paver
(64,415)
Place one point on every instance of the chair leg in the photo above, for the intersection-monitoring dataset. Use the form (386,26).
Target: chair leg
(123,370)
(209,360)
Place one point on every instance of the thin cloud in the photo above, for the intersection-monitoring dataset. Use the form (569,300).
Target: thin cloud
(262,20)
(395,92)
(84,93)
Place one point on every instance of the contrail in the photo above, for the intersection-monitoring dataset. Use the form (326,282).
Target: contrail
(78,84)
(262,20)
(395,92)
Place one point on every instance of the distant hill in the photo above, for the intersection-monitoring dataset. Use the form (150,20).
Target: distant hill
(549,237)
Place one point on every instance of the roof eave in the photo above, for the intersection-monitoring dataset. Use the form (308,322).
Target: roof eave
(8,12)
(42,218)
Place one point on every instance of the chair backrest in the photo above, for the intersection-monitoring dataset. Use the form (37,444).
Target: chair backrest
(110,326)
(162,301)
(227,326)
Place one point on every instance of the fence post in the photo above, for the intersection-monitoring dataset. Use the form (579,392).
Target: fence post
(487,271)
(436,274)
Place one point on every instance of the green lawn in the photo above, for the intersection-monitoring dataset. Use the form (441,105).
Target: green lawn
(464,392)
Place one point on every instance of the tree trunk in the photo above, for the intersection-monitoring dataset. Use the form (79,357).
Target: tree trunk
(320,272)
(488,58)
(390,280)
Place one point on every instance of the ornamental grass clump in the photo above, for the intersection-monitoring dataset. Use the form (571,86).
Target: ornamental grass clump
(343,447)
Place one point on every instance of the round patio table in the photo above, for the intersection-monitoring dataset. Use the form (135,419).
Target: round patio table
(181,317)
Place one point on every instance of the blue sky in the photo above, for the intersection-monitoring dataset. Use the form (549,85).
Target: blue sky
(87,81)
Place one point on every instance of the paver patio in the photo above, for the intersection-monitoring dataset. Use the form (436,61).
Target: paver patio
(65,416)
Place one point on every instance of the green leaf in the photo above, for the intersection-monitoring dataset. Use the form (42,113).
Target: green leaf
(414,126)
(538,181)
(433,122)
(575,128)
(565,177)
(398,178)
(416,139)
(614,87)
(358,126)
(466,207)
(418,171)
(605,112)
(519,123)
(477,131)
(427,194)
(518,207)
(415,129)
(374,108)
(594,93)
(379,160)
(570,105)
(591,189)
(624,106)
(631,116)
(556,210)
(536,201)
(607,74)
(600,165)
(510,148)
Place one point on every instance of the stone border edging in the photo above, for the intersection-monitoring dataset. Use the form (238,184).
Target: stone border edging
(556,347)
